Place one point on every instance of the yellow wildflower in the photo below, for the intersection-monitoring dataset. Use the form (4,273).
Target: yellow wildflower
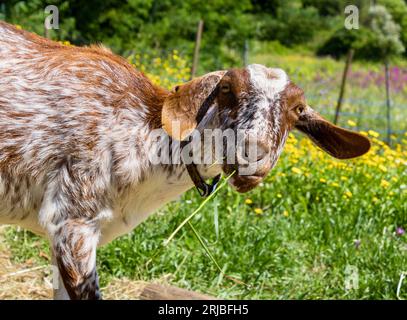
(285,213)
(248,201)
(384,184)
(258,211)
(348,194)
(382,168)
(351,123)
(296,170)
(373,133)
(322,180)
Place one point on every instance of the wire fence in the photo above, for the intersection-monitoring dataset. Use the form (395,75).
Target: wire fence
(366,113)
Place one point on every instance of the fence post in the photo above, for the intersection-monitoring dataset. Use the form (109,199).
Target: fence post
(246,53)
(343,84)
(46,33)
(197,47)
(388,102)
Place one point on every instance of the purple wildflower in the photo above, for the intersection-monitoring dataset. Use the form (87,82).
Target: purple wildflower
(400,231)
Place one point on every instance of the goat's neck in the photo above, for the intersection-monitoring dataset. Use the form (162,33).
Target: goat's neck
(133,141)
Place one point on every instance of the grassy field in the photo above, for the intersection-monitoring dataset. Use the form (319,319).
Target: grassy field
(315,225)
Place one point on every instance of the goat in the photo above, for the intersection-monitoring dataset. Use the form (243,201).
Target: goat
(75,161)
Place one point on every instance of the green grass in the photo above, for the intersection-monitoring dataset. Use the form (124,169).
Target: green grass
(300,246)
(303,253)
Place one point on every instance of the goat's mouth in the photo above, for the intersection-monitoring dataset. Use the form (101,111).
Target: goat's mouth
(243,183)
(250,165)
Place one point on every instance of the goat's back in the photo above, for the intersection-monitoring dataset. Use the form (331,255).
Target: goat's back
(61,106)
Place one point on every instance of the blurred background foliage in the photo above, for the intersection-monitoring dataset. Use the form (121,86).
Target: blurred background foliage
(159,26)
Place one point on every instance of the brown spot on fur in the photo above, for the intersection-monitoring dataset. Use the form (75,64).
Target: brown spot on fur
(291,97)
(238,82)
(271,75)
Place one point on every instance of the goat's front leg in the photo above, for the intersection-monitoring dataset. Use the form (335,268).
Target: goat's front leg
(59,290)
(74,207)
(74,245)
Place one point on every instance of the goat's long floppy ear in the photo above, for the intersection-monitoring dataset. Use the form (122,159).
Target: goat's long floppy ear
(338,142)
(181,107)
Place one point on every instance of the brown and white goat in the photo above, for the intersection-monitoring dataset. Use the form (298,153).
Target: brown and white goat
(74,148)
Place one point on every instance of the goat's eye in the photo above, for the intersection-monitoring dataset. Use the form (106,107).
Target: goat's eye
(225,87)
(299,109)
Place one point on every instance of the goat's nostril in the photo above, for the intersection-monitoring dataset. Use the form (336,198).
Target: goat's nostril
(261,153)
(255,151)
(260,156)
